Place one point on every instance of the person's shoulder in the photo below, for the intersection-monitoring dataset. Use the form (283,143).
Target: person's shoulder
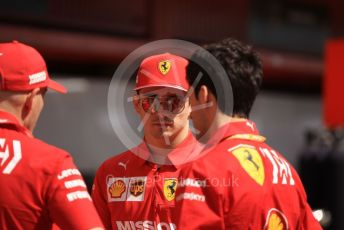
(271,153)
(48,150)
(119,157)
(221,153)
(227,155)
(31,144)
(41,156)
(119,160)
(33,148)
(212,159)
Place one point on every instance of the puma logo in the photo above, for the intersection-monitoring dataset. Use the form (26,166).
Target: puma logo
(250,124)
(124,165)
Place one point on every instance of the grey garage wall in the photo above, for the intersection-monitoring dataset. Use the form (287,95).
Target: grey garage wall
(79,123)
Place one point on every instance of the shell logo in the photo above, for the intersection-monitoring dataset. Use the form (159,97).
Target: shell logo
(276,220)
(117,188)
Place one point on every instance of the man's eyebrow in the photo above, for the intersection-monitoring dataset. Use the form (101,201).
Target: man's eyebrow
(175,94)
(168,94)
(148,95)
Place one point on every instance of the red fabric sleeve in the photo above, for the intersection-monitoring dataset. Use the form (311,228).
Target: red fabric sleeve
(69,203)
(99,196)
(309,221)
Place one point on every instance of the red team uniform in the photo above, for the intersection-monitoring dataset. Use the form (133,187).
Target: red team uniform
(136,190)
(40,184)
(131,192)
(216,191)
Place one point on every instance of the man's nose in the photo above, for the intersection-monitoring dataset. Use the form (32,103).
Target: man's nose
(159,107)
(156,107)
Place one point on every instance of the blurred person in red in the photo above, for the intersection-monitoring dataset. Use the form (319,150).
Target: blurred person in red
(240,182)
(40,185)
(136,189)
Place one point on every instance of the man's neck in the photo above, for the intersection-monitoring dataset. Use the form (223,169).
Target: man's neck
(161,147)
(14,112)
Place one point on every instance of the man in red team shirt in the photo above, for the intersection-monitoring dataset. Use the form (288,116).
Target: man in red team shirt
(241,182)
(40,184)
(136,189)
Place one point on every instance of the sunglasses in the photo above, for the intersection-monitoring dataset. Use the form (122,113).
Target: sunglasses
(170,104)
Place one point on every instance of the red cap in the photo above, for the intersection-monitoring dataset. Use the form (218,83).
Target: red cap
(165,70)
(22,68)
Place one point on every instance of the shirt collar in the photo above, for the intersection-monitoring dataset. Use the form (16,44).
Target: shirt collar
(9,120)
(233,128)
(187,150)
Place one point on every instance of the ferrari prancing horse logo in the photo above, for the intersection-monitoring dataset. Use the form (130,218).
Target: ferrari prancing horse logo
(170,186)
(164,67)
(251,162)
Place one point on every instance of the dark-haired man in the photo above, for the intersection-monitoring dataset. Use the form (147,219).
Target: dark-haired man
(241,182)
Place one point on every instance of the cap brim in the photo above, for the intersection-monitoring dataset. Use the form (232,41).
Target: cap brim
(161,85)
(56,86)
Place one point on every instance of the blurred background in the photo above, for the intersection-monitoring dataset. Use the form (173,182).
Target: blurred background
(298,109)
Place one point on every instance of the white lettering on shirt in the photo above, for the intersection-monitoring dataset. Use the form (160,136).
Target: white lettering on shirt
(78,195)
(13,158)
(189,182)
(281,169)
(191,196)
(144,225)
(67,173)
(75,183)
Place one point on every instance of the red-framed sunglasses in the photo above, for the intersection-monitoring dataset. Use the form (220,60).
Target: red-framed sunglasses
(170,104)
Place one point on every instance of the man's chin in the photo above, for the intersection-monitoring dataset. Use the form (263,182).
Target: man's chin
(166,134)
(162,134)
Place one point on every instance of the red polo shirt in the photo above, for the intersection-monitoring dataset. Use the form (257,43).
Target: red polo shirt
(241,183)
(40,184)
(131,192)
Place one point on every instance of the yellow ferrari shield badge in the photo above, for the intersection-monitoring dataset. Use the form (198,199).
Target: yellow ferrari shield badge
(164,67)
(252,163)
(170,186)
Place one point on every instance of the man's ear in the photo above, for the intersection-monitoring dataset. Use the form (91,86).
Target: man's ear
(29,101)
(203,95)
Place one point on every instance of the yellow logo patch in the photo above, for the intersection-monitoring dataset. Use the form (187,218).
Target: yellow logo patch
(252,163)
(276,221)
(117,188)
(164,67)
(170,186)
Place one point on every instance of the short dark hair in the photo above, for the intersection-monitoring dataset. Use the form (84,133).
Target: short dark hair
(244,71)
